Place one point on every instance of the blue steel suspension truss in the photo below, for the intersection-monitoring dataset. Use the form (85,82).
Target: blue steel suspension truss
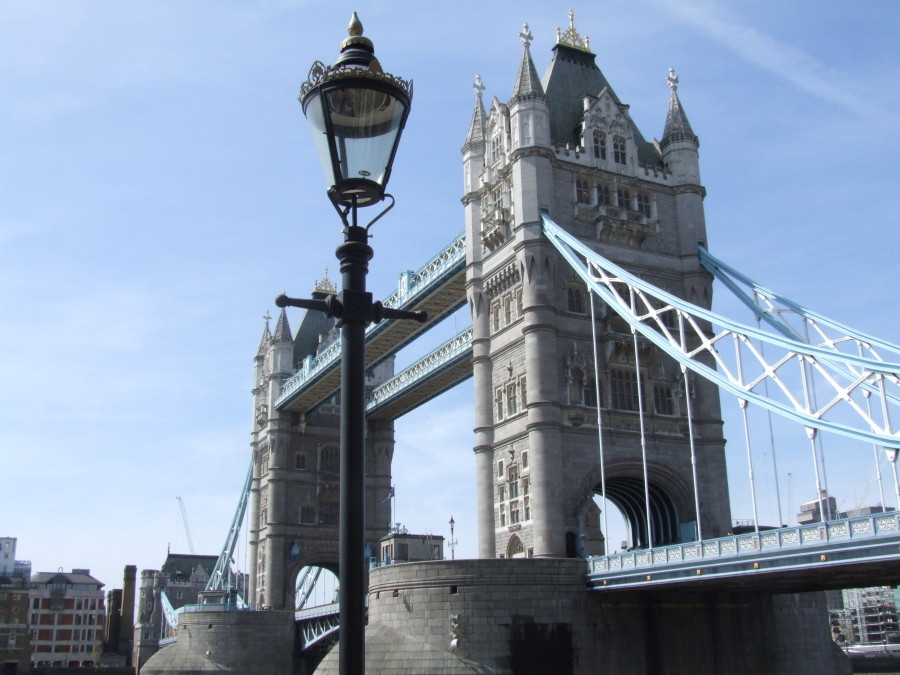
(223,565)
(693,336)
(814,328)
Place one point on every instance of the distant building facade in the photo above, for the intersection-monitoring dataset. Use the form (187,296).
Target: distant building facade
(118,640)
(9,566)
(864,616)
(401,546)
(15,643)
(178,582)
(67,619)
(15,578)
(180,579)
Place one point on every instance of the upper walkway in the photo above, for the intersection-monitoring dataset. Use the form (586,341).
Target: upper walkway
(438,288)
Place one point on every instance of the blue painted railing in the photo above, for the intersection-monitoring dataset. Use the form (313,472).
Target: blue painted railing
(449,353)
(861,529)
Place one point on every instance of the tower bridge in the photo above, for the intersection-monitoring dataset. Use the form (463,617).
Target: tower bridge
(597,368)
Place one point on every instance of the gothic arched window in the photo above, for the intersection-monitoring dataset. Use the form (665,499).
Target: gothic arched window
(619,149)
(643,203)
(582,191)
(599,145)
(574,301)
(515,548)
(329,459)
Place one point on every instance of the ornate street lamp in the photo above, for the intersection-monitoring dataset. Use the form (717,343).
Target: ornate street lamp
(357,113)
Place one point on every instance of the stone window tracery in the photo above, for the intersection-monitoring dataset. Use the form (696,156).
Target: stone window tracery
(624,389)
(511,402)
(582,191)
(663,399)
(643,203)
(623,198)
(619,149)
(329,459)
(599,145)
(603,194)
(574,301)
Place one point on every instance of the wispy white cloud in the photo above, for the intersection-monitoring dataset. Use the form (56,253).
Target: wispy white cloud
(783,60)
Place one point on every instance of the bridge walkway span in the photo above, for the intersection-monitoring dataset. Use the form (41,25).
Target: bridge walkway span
(437,288)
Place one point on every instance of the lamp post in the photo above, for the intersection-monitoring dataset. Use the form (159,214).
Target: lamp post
(452,542)
(357,113)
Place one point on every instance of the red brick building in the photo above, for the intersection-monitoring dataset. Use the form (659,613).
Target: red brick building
(66,619)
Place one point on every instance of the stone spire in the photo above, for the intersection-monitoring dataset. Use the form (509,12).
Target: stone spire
(677,126)
(266,336)
(478,124)
(282,329)
(528,84)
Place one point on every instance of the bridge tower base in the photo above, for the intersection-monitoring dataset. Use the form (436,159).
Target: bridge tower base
(536,616)
(237,642)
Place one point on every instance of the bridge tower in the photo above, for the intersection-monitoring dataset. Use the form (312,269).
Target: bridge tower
(566,144)
(295,493)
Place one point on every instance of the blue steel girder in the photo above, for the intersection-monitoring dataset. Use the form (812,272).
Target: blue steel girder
(693,337)
(306,584)
(816,329)
(845,553)
(438,288)
(430,376)
(223,565)
(317,623)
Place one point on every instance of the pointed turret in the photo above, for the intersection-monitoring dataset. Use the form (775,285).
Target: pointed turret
(478,125)
(266,336)
(282,329)
(677,126)
(527,84)
(529,108)
(679,143)
(281,348)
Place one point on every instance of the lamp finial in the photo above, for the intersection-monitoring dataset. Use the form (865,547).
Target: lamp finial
(355,29)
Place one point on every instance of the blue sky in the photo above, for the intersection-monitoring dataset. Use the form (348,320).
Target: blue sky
(158,187)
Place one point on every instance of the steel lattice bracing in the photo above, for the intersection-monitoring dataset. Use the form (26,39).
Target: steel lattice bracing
(782,314)
(222,569)
(797,372)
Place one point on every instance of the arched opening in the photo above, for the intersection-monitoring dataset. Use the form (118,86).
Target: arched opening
(515,549)
(315,586)
(627,495)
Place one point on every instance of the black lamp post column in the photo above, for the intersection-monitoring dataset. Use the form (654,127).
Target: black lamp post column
(356,311)
(357,113)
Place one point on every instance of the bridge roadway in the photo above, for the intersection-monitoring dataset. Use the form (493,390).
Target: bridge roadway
(438,288)
(848,553)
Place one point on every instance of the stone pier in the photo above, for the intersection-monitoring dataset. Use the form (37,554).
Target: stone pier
(537,616)
(237,642)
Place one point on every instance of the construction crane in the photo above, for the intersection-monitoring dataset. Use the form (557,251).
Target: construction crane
(187,525)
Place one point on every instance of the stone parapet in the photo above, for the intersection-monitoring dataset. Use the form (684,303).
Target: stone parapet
(238,642)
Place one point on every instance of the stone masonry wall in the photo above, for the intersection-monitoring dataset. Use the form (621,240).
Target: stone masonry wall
(238,642)
(537,616)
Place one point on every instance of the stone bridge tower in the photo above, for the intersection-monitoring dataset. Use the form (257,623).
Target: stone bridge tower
(566,144)
(295,493)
